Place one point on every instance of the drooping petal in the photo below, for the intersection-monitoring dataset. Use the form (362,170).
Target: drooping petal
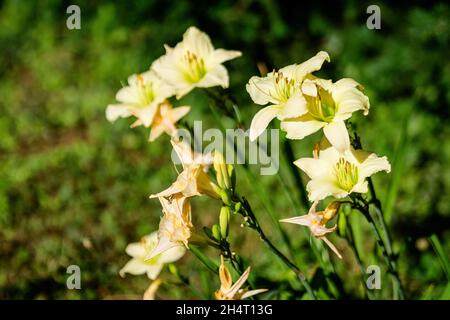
(238,284)
(146,115)
(300,127)
(153,270)
(337,135)
(261,120)
(332,247)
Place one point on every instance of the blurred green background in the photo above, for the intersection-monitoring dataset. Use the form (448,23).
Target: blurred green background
(74,188)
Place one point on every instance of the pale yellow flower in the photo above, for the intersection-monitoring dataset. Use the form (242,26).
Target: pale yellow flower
(194,179)
(282,91)
(329,105)
(316,222)
(140,98)
(139,251)
(175,226)
(338,174)
(165,119)
(194,62)
(230,291)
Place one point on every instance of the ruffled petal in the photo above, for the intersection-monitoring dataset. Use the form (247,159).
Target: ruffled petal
(337,135)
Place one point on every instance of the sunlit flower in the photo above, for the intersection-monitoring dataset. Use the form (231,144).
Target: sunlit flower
(175,225)
(328,105)
(194,179)
(282,91)
(140,98)
(338,174)
(230,291)
(316,222)
(139,251)
(194,62)
(165,119)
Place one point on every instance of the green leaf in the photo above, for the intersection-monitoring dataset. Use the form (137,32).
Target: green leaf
(443,259)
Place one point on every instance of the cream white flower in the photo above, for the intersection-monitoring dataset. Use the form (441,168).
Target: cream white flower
(282,91)
(139,251)
(230,291)
(328,106)
(140,98)
(194,62)
(338,174)
(316,222)
(165,119)
(175,225)
(194,179)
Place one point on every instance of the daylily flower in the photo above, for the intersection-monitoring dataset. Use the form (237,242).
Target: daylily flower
(316,222)
(230,291)
(165,119)
(194,62)
(194,179)
(338,174)
(328,106)
(139,264)
(175,225)
(282,91)
(140,98)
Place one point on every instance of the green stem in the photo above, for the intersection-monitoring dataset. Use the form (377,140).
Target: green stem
(363,206)
(253,223)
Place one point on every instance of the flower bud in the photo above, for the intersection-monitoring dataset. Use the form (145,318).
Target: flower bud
(225,197)
(237,207)
(216,232)
(232,175)
(342,225)
(224,218)
(223,179)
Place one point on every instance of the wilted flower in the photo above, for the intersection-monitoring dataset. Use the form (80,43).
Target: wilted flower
(230,291)
(194,179)
(338,174)
(282,91)
(165,119)
(175,225)
(316,222)
(194,62)
(328,105)
(140,98)
(139,251)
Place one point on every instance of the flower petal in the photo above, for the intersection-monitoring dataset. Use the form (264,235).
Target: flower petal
(314,168)
(374,164)
(261,120)
(218,76)
(260,90)
(294,107)
(115,111)
(320,189)
(337,135)
(304,220)
(134,267)
(221,55)
(300,127)
(311,65)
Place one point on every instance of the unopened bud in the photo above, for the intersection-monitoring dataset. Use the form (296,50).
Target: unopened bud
(221,168)
(342,224)
(224,219)
(225,197)
(237,207)
(216,232)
